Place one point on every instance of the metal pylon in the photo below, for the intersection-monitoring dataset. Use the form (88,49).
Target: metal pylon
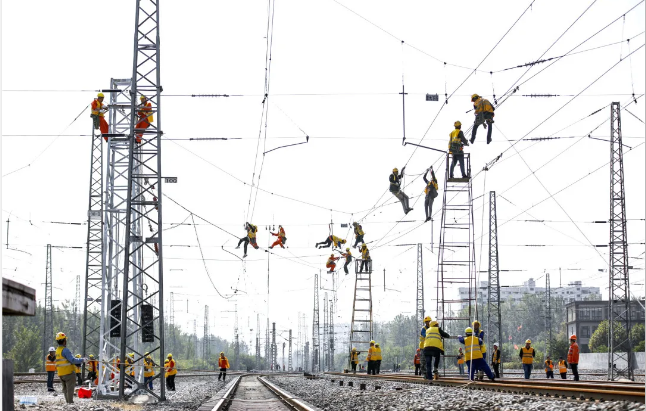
(289,358)
(548,314)
(419,305)
(258,342)
(205,340)
(456,256)
(361,325)
(274,348)
(494,319)
(48,334)
(326,347)
(331,333)
(620,357)
(315,327)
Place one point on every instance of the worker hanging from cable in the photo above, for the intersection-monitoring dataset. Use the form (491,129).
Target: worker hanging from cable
(484,113)
(395,188)
(281,240)
(331,263)
(249,238)
(365,259)
(332,240)
(431,193)
(98,113)
(348,259)
(456,148)
(145,113)
(358,234)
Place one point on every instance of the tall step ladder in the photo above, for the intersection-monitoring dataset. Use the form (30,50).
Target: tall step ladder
(456,275)
(361,326)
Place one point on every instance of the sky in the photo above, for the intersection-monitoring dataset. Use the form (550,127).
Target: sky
(337,69)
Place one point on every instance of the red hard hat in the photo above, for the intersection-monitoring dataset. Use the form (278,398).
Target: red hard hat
(573,337)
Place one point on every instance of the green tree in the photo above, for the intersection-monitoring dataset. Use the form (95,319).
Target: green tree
(637,334)
(26,352)
(599,340)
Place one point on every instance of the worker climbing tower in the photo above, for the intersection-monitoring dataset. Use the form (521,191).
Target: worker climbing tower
(620,357)
(361,325)
(456,255)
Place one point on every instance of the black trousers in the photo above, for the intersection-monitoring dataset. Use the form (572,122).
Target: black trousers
(564,375)
(345,266)
(458,158)
(482,119)
(496,369)
(417,369)
(575,371)
(79,380)
(354,367)
(372,365)
(378,365)
(359,240)
(428,205)
(223,373)
(325,244)
(170,382)
(549,374)
(364,264)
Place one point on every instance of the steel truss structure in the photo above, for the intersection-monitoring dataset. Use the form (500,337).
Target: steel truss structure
(548,314)
(315,327)
(326,334)
(494,319)
(419,305)
(361,325)
(620,357)
(456,256)
(48,333)
(289,360)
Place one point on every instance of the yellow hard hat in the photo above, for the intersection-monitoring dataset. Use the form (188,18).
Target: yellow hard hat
(142,98)
(342,241)
(170,355)
(100,95)
(131,355)
(60,336)
(476,322)
(395,170)
(376,344)
(91,355)
(347,249)
(434,324)
(457,124)
(528,341)
(468,330)
(147,354)
(427,318)
(221,352)
(78,356)
(364,245)
(372,342)
(474,97)
(354,349)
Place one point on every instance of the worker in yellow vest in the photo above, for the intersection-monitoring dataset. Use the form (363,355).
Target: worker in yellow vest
(370,358)
(460,361)
(549,368)
(422,338)
(456,148)
(171,372)
(377,357)
(252,230)
(563,368)
(431,192)
(478,332)
(358,234)
(223,364)
(433,348)
(495,360)
(484,113)
(149,370)
(77,371)
(65,363)
(50,367)
(395,180)
(473,354)
(331,240)
(527,354)
(92,368)
(354,359)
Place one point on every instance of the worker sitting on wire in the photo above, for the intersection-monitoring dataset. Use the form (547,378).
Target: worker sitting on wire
(431,193)
(281,240)
(365,258)
(358,234)
(348,259)
(484,113)
(331,263)
(98,113)
(249,238)
(395,188)
(332,240)
(456,148)
(145,113)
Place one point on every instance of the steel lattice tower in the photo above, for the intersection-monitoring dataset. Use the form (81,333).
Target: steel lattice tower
(419,306)
(267,347)
(620,358)
(274,348)
(315,327)
(494,319)
(289,353)
(48,334)
(94,253)
(236,347)
(205,340)
(456,256)
(326,337)
(258,342)
(331,335)
(548,314)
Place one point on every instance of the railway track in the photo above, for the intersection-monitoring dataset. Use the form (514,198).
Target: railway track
(255,392)
(562,389)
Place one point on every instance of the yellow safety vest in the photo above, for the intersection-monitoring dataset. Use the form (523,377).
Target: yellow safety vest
(549,365)
(528,355)
(148,367)
(354,357)
(252,232)
(63,367)
(482,105)
(455,143)
(376,356)
(358,230)
(428,186)
(495,354)
(433,338)
(472,348)
(365,254)
(562,367)
(370,354)
(171,370)
(460,358)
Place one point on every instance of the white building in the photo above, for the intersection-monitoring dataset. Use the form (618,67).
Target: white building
(574,291)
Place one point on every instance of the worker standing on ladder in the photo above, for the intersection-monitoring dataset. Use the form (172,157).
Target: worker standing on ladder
(332,240)
(433,348)
(145,113)
(281,240)
(331,263)
(98,113)
(365,259)
(395,188)
(348,259)
(456,148)
(249,238)
(431,193)
(358,234)
(422,338)
(484,113)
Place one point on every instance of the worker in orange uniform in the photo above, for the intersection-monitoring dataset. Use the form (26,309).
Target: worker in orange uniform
(370,359)
(417,362)
(149,370)
(92,368)
(431,192)
(65,363)
(145,113)
(223,363)
(457,141)
(573,357)
(98,113)
(461,361)
(348,259)
(354,359)
(484,113)
(527,354)
(495,360)
(281,240)
(50,367)
(252,230)
(563,368)
(331,263)
(549,368)
(171,372)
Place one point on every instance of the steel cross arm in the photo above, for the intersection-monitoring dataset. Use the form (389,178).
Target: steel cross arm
(307,139)
(419,145)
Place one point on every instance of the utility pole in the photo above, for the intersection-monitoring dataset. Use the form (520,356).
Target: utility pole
(548,314)
(299,347)
(326,352)
(267,347)
(494,319)
(172,319)
(258,341)
(306,357)
(331,335)
(274,348)
(195,337)
(48,336)
(315,327)
(205,340)
(419,306)
(619,349)
(75,311)
(236,347)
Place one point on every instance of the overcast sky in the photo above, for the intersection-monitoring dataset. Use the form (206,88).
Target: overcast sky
(335,76)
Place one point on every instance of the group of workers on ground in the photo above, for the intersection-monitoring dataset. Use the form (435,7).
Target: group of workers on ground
(68,367)
(431,347)
(373,358)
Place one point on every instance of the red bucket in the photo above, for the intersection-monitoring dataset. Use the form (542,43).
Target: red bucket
(84,393)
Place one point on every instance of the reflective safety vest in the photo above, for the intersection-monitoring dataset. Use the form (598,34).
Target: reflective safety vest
(145,110)
(251,233)
(422,334)
(483,348)
(223,362)
(63,367)
(460,358)
(50,363)
(369,356)
(281,232)
(92,365)
(433,338)
(472,348)
(376,354)
(562,367)
(348,256)
(417,360)
(170,368)
(331,260)
(428,186)
(336,240)
(496,356)
(148,367)
(354,357)
(365,254)
(482,105)
(455,143)
(358,230)
(77,369)
(549,366)
(96,108)
(528,355)
(130,369)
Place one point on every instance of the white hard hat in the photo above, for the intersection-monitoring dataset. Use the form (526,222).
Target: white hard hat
(496,344)
(51,349)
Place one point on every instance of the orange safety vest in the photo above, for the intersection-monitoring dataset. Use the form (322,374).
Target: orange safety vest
(460,358)
(528,355)
(223,362)
(92,365)
(573,354)
(549,365)
(417,359)
(562,367)
(96,108)
(145,110)
(50,363)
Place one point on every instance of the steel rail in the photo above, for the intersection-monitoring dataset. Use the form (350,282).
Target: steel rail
(286,397)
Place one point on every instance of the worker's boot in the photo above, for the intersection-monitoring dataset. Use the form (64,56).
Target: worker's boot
(436,375)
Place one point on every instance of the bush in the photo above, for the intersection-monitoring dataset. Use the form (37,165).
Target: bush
(600,349)
(639,347)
